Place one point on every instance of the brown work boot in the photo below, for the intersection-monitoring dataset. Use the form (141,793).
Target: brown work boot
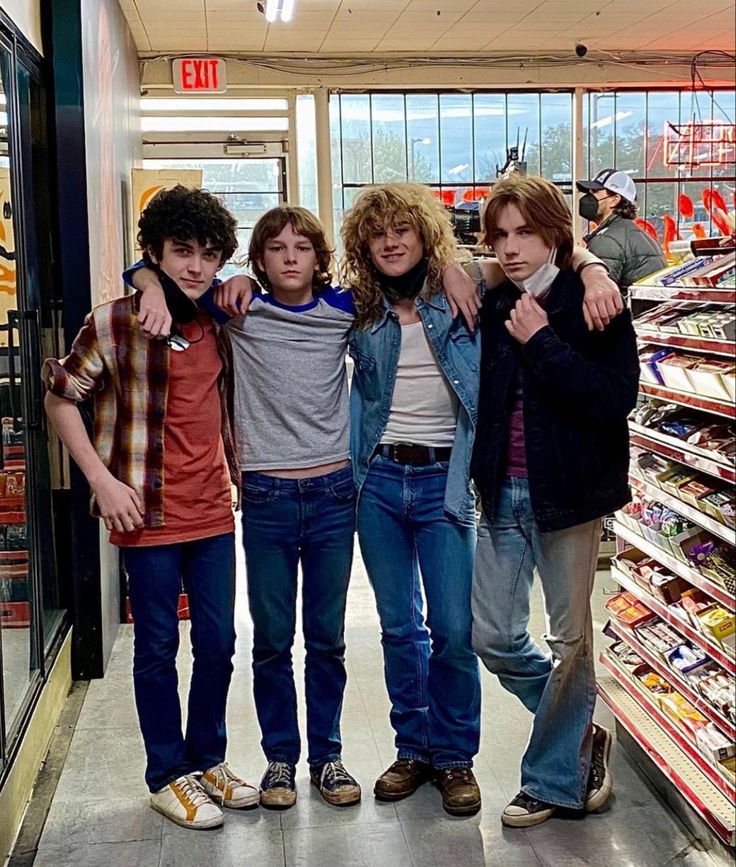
(460,791)
(401,779)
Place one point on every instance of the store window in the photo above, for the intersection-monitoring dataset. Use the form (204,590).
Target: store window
(247,187)
(678,147)
(454,142)
(241,147)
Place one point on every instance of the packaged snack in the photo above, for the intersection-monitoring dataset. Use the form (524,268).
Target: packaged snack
(685,658)
(714,744)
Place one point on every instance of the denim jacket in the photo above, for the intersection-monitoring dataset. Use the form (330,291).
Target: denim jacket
(375,351)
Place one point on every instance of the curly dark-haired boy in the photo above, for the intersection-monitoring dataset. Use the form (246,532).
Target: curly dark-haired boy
(160,470)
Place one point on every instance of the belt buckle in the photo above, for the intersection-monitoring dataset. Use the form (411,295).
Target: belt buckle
(402,453)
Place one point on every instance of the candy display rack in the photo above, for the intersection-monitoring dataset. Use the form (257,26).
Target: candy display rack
(670,672)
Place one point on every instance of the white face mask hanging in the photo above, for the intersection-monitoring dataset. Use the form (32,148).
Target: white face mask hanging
(538,284)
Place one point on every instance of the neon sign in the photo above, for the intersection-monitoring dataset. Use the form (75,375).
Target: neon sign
(699,143)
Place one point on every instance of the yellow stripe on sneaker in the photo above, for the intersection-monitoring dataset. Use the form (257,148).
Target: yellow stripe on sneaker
(185,802)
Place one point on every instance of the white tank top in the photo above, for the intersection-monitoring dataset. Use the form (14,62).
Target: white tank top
(424,406)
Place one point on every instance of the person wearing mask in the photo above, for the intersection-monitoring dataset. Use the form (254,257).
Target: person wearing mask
(629,253)
(551,458)
(160,470)
(413,419)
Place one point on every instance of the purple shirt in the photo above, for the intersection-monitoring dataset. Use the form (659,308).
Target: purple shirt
(515,445)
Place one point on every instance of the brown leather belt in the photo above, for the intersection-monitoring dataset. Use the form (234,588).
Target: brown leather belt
(408,453)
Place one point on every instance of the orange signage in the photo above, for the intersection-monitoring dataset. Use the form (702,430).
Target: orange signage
(699,143)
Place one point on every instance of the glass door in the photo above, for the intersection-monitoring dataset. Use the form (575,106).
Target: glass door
(18,646)
(32,605)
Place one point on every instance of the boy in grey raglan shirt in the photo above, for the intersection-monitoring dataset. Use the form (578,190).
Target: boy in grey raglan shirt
(291,427)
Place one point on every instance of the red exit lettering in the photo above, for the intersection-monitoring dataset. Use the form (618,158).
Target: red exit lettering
(199,74)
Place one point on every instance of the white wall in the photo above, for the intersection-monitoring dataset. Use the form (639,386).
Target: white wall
(26,15)
(113,146)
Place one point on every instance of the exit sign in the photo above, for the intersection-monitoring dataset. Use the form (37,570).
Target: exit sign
(199,75)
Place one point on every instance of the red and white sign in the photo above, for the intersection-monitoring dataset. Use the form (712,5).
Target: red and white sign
(199,75)
(699,143)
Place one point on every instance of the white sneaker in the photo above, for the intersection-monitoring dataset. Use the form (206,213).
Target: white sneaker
(227,789)
(185,802)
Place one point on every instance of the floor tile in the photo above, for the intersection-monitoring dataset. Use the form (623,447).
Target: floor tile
(77,822)
(383,845)
(464,841)
(233,845)
(137,853)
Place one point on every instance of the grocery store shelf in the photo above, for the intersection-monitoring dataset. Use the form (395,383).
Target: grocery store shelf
(654,660)
(692,576)
(678,735)
(671,447)
(679,622)
(694,786)
(686,398)
(687,341)
(686,510)
(711,295)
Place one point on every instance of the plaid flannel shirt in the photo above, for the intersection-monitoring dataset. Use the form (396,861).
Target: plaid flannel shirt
(127,377)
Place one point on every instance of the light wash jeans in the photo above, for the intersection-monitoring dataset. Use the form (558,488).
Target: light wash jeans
(558,688)
(431,671)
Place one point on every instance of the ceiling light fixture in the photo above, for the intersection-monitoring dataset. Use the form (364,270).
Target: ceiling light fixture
(274,9)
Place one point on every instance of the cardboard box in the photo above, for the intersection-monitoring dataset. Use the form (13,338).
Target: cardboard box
(682,543)
(675,371)
(707,378)
(729,383)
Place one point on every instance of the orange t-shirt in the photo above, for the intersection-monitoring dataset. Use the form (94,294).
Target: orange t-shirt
(197,499)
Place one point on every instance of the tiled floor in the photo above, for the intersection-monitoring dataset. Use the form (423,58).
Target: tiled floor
(100,818)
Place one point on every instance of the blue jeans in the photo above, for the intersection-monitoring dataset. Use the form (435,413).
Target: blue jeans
(431,671)
(286,521)
(558,688)
(155,574)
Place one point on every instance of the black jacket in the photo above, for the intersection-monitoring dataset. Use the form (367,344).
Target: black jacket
(578,388)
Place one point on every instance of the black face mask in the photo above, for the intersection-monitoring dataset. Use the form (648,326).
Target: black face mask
(405,286)
(588,207)
(181,307)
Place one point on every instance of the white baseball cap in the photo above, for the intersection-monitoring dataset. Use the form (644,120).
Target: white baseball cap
(613,181)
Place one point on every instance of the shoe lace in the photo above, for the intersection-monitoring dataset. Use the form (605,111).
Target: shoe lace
(278,773)
(595,775)
(334,774)
(192,790)
(223,774)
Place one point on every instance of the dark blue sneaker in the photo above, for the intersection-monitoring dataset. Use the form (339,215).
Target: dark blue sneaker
(278,786)
(335,784)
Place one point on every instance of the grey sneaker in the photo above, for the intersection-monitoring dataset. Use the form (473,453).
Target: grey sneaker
(278,786)
(335,784)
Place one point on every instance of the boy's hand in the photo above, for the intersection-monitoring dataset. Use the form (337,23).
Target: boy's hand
(235,294)
(462,294)
(153,316)
(603,301)
(527,318)
(120,506)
